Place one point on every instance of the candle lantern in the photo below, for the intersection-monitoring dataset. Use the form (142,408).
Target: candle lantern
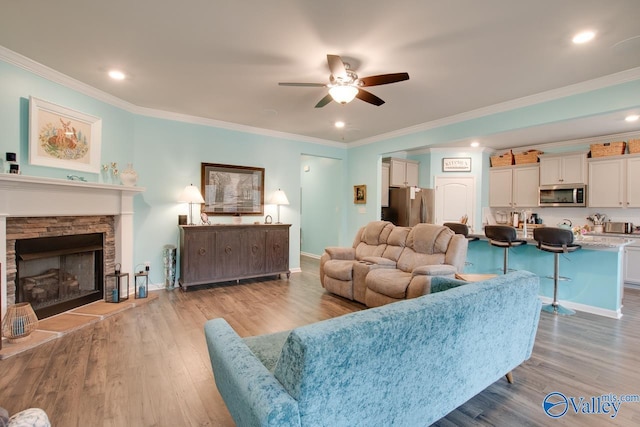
(116,286)
(19,322)
(142,284)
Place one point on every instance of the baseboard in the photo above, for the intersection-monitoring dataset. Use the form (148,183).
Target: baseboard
(614,314)
(310,255)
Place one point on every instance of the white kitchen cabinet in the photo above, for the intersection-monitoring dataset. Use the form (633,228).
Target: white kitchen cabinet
(563,168)
(613,182)
(403,172)
(514,186)
(384,196)
(633,182)
(632,263)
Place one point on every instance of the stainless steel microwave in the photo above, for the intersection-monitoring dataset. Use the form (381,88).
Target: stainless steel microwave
(569,195)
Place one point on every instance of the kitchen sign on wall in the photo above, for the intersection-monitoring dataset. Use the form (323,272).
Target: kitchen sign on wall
(456,164)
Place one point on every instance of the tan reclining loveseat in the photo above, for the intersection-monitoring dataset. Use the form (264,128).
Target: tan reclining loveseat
(389,263)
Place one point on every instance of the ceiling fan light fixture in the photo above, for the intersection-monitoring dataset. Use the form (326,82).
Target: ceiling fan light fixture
(343,94)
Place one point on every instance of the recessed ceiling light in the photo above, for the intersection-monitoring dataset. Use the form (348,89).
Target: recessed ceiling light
(475,144)
(583,37)
(339,124)
(632,118)
(116,75)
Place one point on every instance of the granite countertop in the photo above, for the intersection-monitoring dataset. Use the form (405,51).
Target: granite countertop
(589,241)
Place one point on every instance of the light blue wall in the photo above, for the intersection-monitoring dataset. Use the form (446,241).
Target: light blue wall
(167,156)
(322,203)
(16,85)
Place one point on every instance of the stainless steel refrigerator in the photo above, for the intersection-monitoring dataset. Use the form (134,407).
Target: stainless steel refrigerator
(410,206)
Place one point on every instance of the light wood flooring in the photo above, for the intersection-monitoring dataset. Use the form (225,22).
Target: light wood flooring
(149,366)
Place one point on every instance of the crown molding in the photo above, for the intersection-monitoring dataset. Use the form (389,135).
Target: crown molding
(526,101)
(50,74)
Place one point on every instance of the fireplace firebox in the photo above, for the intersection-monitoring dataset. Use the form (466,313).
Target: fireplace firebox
(56,274)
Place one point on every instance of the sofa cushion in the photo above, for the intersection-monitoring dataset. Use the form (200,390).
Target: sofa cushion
(364,250)
(267,347)
(429,238)
(339,269)
(434,270)
(396,243)
(390,282)
(376,232)
(411,259)
(379,261)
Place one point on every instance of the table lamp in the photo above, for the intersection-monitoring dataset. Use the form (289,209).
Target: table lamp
(279,198)
(191,195)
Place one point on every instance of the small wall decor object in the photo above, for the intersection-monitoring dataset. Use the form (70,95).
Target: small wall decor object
(360,194)
(11,157)
(204,218)
(142,284)
(60,137)
(14,168)
(456,164)
(19,322)
(129,176)
(116,286)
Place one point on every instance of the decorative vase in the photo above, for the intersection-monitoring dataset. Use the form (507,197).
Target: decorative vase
(597,228)
(129,177)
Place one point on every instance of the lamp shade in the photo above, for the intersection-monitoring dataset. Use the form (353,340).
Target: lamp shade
(279,198)
(343,93)
(191,194)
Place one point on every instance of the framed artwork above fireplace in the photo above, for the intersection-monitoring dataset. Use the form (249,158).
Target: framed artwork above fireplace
(60,137)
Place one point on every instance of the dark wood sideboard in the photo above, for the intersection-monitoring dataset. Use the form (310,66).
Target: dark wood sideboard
(220,253)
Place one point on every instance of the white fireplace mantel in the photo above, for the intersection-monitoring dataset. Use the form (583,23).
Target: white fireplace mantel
(29,196)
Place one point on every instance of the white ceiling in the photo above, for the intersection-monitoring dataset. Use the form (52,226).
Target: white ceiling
(223,60)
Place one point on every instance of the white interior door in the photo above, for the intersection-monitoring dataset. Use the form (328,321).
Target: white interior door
(455,198)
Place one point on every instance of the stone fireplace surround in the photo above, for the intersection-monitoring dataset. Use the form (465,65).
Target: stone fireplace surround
(46,198)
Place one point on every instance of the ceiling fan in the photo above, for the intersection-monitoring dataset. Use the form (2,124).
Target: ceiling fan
(345,85)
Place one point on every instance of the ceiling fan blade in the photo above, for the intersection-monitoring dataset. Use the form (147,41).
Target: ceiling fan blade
(369,97)
(337,67)
(324,101)
(383,79)
(303,84)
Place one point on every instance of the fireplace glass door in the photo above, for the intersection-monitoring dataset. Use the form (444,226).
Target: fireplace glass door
(56,274)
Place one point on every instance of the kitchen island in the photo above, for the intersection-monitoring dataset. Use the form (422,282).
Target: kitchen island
(595,271)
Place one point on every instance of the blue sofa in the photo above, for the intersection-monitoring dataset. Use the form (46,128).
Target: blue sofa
(407,363)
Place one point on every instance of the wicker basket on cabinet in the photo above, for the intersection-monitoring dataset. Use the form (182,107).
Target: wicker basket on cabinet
(608,149)
(504,160)
(526,157)
(634,146)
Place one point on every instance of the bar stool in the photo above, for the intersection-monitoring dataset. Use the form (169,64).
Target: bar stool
(503,236)
(460,228)
(556,241)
